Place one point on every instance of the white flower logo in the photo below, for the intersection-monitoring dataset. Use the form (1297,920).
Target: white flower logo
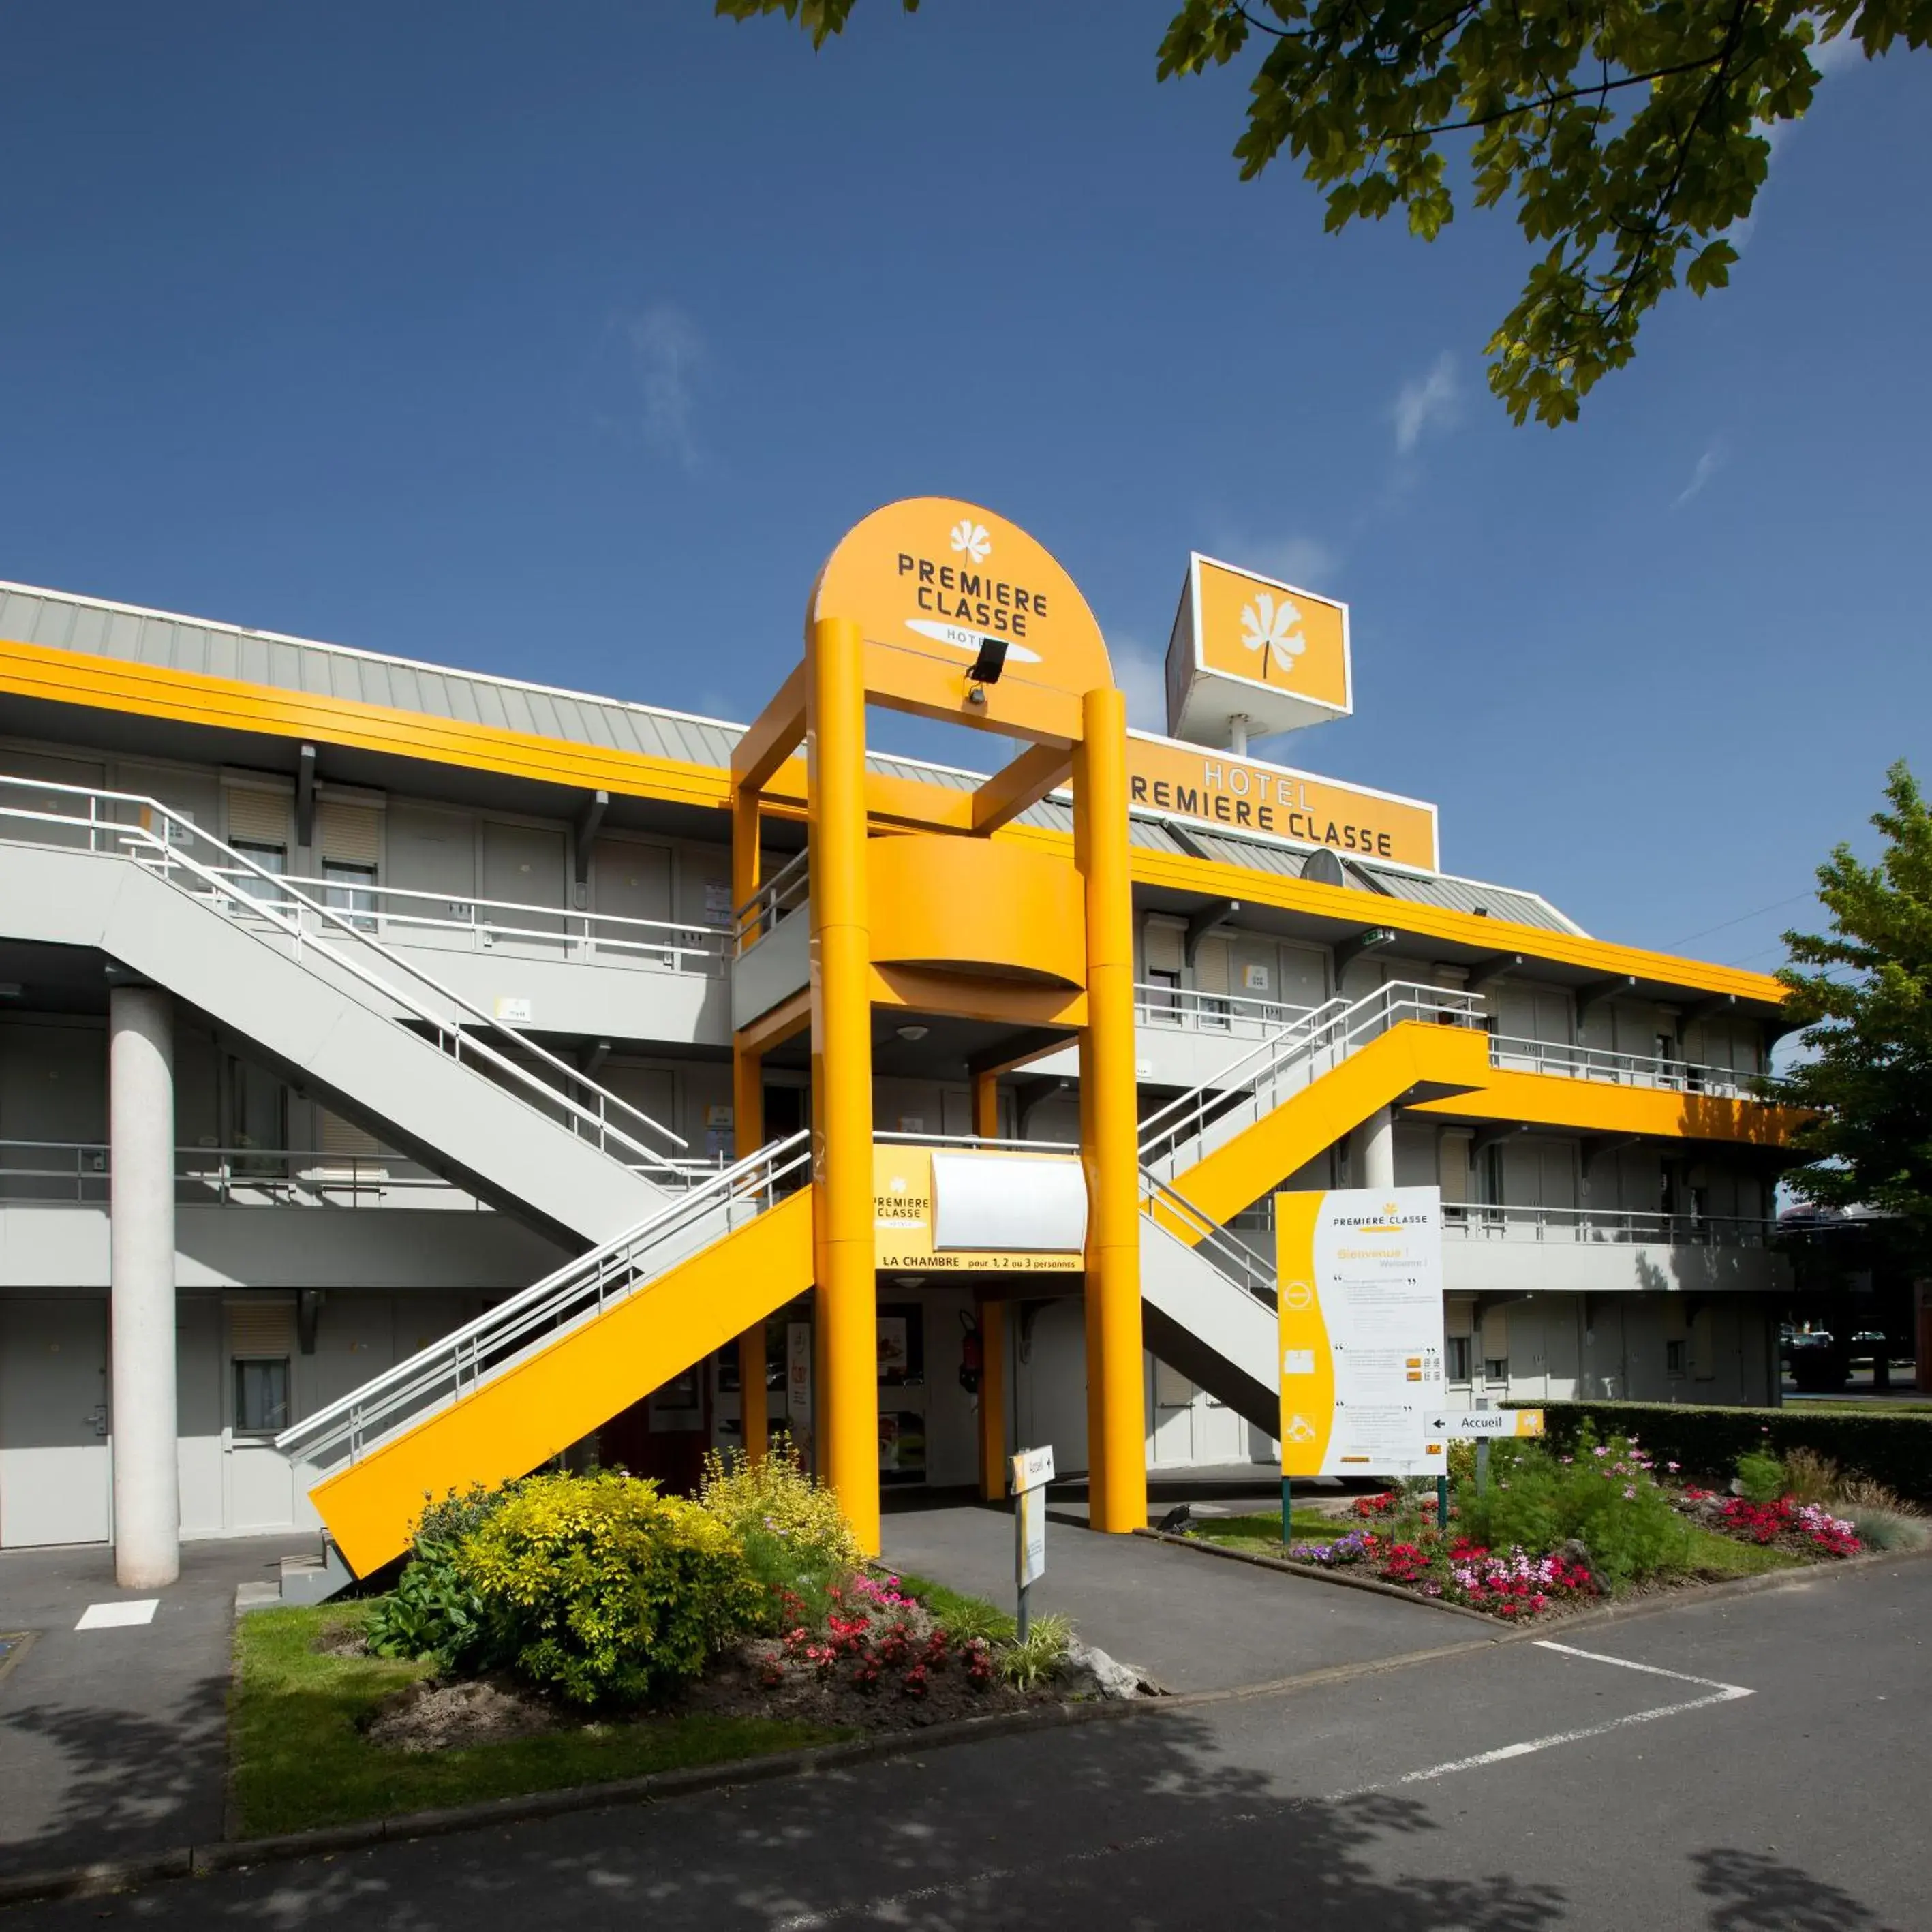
(1274,629)
(972,538)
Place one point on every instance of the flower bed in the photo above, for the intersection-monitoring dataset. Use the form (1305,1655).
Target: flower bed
(1512,1584)
(1552,1531)
(576,1596)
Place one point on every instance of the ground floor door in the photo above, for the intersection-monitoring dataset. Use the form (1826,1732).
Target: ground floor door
(54,1473)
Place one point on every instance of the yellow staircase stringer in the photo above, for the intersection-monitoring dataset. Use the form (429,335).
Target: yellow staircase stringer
(1598,1106)
(528,1413)
(1261,1157)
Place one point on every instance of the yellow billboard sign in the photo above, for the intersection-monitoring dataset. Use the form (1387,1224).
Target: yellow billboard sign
(908,1216)
(1247,645)
(1359,1344)
(942,586)
(1249,795)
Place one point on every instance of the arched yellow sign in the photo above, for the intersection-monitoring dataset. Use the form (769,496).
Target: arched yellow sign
(945,589)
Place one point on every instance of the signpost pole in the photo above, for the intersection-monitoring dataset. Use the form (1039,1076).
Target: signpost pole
(1030,1472)
(1287,1508)
(1483,1460)
(1442,1502)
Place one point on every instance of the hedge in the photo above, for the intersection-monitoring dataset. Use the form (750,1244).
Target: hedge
(1894,1446)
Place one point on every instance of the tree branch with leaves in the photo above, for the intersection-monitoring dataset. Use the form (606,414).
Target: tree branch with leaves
(1631,135)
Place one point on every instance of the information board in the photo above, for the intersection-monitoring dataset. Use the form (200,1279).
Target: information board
(1361,1333)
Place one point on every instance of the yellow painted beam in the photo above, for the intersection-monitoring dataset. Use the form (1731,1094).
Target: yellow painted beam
(772,737)
(965,996)
(1595,1106)
(524,1416)
(1015,787)
(910,682)
(785,1020)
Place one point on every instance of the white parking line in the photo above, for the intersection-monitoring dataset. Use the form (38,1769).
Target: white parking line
(118,1616)
(1716,1692)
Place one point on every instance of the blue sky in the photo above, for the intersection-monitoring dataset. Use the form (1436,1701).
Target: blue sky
(563,342)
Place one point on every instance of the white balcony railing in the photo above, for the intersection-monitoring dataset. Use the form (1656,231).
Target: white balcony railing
(783,894)
(1223,1015)
(396,913)
(173,848)
(1485,1221)
(1620,1069)
(56,1173)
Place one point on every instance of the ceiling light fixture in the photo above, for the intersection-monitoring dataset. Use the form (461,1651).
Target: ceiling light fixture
(913,1033)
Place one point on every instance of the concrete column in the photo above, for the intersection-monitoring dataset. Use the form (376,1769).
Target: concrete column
(1376,1138)
(141,1130)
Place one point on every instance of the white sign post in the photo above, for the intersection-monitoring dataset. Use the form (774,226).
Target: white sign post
(1028,1474)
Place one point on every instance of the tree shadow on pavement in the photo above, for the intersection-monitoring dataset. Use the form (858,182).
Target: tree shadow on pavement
(119,1784)
(1137,1823)
(1755,1894)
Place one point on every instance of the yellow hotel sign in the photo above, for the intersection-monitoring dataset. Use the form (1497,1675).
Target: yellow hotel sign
(1246,795)
(1244,645)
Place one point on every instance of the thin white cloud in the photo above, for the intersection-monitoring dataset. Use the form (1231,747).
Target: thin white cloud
(671,355)
(1297,559)
(1426,403)
(1712,460)
(1140,671)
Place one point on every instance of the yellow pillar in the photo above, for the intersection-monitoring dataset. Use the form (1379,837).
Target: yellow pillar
(992,1400)
(986,1105)
(1116,1429)
(748,1129)
(846,1403)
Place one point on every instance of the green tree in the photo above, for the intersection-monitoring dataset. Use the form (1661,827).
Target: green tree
(1866,1009)
(1631,135)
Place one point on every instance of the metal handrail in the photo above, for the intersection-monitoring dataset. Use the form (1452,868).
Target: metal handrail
(1234,1259)
(1336,1028)
(161,856)
(1578,1062)
(979,1140)
(285,1172)
(635,935)
(458,1364)
(1477,1220)
(1188,1009)
(785,891)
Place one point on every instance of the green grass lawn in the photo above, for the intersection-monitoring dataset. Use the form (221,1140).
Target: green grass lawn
(299,1759)
(1706,1553)
(968,1616)
(1262,1531)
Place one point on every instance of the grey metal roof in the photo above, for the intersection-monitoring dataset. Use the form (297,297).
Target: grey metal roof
(60,620)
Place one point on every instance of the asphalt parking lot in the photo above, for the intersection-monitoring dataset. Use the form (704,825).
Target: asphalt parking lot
(1755,1763)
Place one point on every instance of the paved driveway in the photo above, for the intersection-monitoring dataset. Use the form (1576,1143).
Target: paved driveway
(1193,1621)
(1763,1767)
(113,1741)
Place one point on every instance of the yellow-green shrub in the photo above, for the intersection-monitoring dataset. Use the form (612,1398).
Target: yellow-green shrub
(775,1495)
(604,1590)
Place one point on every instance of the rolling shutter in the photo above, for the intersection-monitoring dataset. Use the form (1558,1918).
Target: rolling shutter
(262,1325)
(262,817)
(350,834)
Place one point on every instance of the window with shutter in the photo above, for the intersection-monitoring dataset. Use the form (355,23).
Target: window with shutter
(350,833)
(258,817)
